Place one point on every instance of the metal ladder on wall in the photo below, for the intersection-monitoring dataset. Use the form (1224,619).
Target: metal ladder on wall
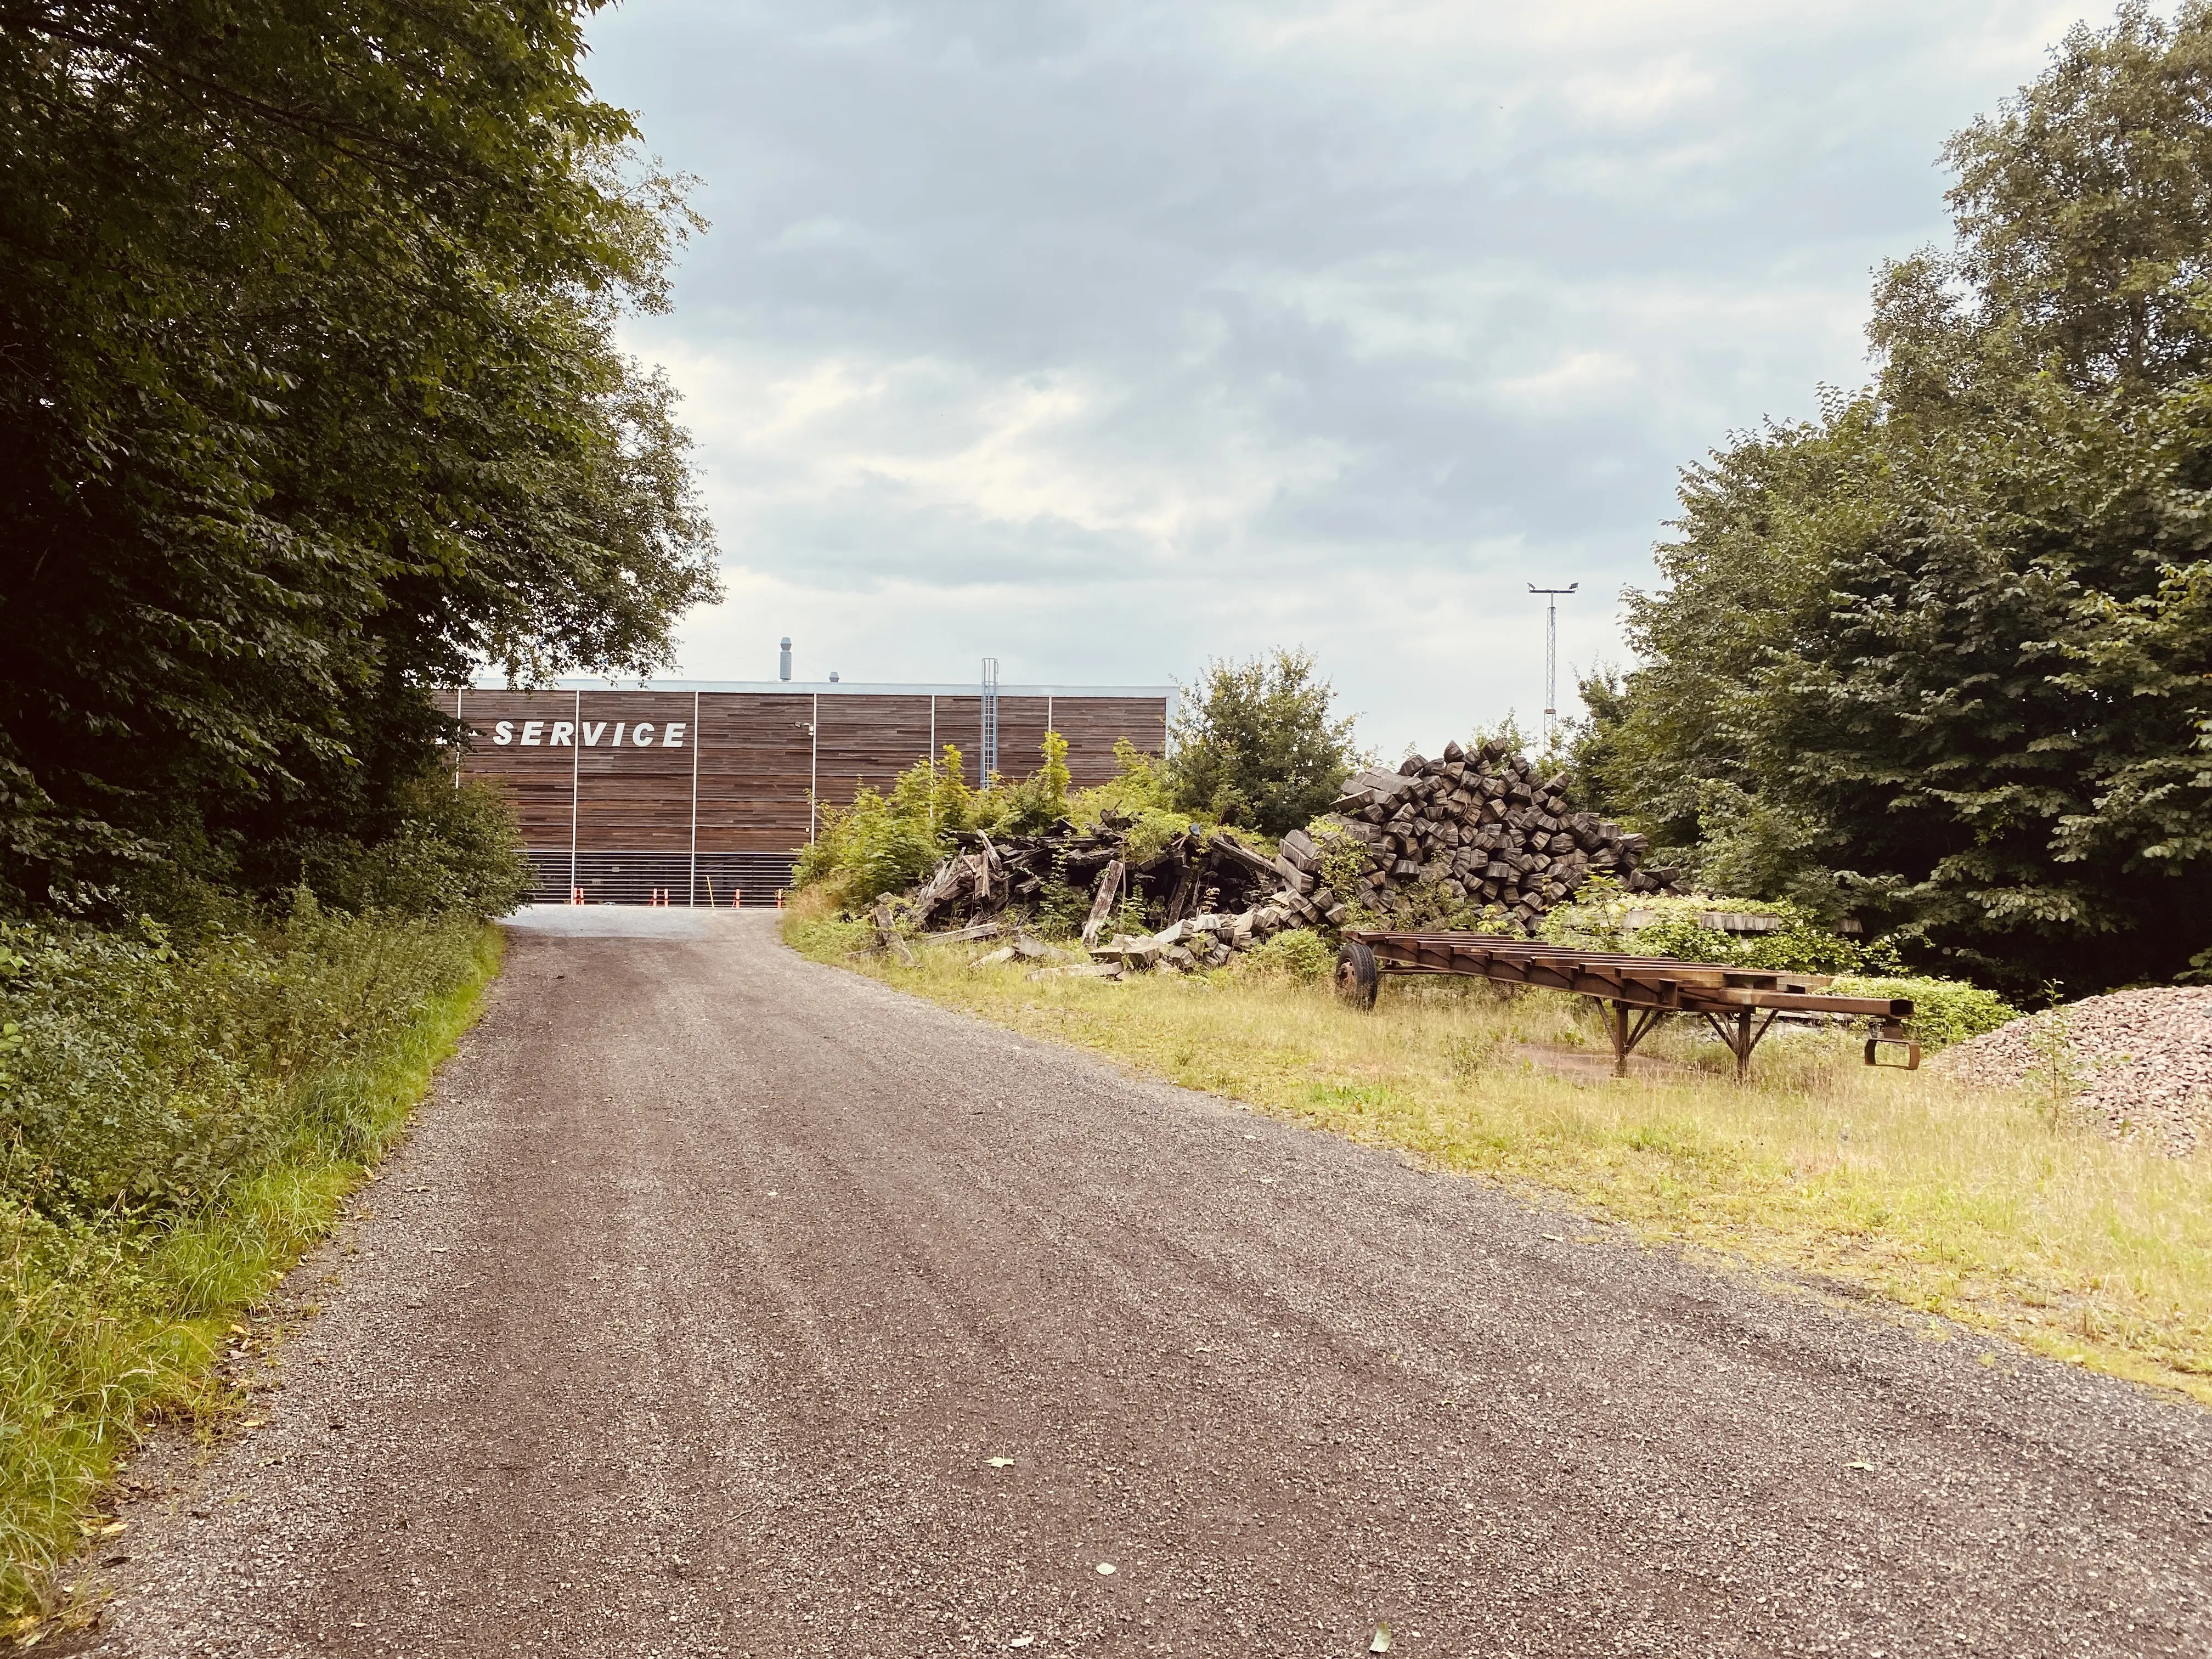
(990,720)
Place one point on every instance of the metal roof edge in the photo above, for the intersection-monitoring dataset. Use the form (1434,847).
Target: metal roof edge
(838,688)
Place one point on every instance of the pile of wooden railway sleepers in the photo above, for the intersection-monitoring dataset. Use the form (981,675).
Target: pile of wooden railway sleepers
(1485,830)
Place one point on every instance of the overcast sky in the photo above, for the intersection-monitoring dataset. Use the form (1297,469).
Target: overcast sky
(1105,338)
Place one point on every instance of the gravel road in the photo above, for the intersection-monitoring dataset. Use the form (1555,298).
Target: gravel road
(726,1304)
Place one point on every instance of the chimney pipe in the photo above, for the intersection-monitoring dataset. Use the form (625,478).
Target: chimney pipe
(783,664)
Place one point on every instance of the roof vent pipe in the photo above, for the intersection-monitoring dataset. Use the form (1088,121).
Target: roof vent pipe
(783,663)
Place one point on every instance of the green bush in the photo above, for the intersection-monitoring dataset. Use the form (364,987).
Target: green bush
(1300,953)
(885,843)
(1944,1011)
(1599,922)
(867,849)
(1256,744)
(144,1076)
(453,851)
(1140,797)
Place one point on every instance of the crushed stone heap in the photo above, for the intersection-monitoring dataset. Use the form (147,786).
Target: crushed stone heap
(2140,1062)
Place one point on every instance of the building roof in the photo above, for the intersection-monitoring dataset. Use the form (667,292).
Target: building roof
(831,689)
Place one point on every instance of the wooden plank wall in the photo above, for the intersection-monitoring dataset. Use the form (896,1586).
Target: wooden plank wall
(633,772)
(536,777)
(1021,735)
(749,763)
(756,770)
(867,740)
(960,723)
(1091,724)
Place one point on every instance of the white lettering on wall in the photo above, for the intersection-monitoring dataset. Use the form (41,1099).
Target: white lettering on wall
(591,729)
(530,730)
(561,734)
(504,732)
(642,734)
(618,732)
(671,736)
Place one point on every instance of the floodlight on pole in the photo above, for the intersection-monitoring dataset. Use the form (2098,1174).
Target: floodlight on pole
(1552,654)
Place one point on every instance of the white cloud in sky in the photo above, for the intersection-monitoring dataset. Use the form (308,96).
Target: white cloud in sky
(1105,338)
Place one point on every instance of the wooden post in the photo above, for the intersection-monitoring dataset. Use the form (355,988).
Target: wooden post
(1110,889)
(1626,1033)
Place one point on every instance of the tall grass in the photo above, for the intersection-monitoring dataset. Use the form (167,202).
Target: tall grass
(183,1124)
(1996,1209)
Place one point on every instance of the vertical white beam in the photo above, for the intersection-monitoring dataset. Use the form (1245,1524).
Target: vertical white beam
(814,769)
(576,782)
(692,893)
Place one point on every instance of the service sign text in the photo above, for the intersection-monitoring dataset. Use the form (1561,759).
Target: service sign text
(563,734)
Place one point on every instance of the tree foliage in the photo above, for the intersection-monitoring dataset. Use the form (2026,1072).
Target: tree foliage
(1254,744)
(309,399)
(1944,655)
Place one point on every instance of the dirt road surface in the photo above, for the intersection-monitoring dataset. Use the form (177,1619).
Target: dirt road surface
(726,1305)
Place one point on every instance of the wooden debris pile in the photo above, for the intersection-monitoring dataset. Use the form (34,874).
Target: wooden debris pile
(1484,828)
(1197,873)
(1209,895)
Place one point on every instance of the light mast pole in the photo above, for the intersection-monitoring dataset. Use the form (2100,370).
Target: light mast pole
(1552,655)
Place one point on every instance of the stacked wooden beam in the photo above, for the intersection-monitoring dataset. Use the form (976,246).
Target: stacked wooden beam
(1482,830)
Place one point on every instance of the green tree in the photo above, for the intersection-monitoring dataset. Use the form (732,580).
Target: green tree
(309,400)
(1945,653)
(1253,744)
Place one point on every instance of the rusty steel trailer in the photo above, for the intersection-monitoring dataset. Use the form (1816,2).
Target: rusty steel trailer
(1634,994)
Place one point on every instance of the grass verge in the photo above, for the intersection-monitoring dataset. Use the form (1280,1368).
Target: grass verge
(1998,1210)
(112,1322)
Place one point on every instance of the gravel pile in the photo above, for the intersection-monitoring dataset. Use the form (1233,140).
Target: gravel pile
(2141,1060)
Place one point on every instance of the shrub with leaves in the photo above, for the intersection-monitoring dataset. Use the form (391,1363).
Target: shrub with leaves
(1944,1011)
(1142,793)
(1256,744)
(882,843)
(450,851)
(1672,927)
(1300,954)
(147,1076)
(886,843)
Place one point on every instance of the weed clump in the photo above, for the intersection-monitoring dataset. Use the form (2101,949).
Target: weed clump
(1299,954)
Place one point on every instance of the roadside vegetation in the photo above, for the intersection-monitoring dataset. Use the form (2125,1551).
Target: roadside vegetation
(185,1105)
(1999,1210)
(312,403)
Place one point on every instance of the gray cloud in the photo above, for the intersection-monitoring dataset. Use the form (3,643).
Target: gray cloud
(1105,338)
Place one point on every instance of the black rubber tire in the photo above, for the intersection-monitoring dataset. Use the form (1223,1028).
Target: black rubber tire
(1357,977)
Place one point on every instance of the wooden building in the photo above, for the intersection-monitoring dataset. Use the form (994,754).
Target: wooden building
(702,789)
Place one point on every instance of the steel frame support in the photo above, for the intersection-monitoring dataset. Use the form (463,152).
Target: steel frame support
(1741,1029)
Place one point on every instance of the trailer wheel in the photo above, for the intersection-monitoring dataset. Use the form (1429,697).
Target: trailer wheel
(1356,975)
